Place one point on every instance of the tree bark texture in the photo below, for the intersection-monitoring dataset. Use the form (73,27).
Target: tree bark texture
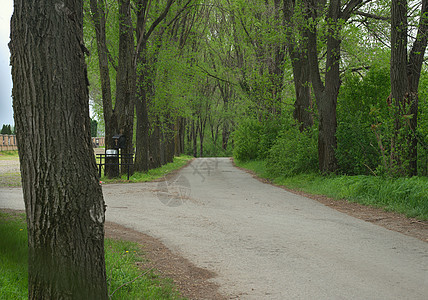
(98,11)
(326,93)
(301,73)
(399,84)
(126,78)
(414,67)
(63,198)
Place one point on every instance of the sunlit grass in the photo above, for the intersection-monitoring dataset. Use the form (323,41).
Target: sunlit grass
(125,279)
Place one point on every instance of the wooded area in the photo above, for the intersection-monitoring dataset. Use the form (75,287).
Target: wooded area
(209,78)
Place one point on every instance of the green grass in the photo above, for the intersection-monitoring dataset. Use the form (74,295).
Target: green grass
(13,257)
(408,196)
(133,283)
(153,174)
(121,266)
(9,155)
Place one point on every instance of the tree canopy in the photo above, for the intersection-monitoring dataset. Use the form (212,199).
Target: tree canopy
(216,77)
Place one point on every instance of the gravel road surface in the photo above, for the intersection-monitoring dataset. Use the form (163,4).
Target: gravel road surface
(264,242)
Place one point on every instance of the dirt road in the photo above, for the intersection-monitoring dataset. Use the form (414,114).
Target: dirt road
(267,243)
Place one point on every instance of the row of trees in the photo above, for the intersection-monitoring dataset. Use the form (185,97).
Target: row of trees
(189,69)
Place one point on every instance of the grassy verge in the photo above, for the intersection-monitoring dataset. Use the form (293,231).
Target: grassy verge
(153,174)
(407,196)
(9,155)
(122,258)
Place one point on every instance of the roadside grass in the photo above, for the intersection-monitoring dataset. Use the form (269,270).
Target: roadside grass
(179,161)
(125,279)
(13,257)
(9,155)
(408,196)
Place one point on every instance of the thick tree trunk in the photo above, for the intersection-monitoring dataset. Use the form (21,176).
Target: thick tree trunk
(62,195)
(126,78)
(414,67)
(326,94)
(398,70)
(301,72)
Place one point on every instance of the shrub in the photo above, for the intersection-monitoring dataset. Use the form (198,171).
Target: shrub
(253,139)
(293,153)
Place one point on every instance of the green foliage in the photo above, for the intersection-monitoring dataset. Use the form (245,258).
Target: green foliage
(94,128)
(6,129)
(293,153)
(253,139)
(361,105)
(13,256)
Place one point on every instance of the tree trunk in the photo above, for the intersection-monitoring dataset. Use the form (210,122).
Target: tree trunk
(143,124)
(126,78)
(303,104)
(326,94)
(300,65)
(414,67)
(110,119)
(63,198)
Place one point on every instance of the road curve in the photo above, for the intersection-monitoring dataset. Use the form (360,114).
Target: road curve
(264,242)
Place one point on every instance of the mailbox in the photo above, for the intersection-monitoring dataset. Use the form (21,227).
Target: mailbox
(119,141)
(112,153)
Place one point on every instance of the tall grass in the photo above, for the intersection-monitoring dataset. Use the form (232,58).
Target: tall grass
(125,279)
(407,196)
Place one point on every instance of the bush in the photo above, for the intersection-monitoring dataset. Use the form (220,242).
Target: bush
(253,139)
(361,104)
(293,153)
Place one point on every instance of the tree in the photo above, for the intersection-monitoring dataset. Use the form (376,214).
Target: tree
(6,129)
(94,128)
(118,119)
(405,74)
(63,198)
(326,92)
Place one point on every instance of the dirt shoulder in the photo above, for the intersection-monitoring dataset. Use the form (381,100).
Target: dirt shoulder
(191,281)
(390,220)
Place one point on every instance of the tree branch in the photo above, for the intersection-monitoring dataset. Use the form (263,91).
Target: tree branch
(372,16)
(350,8)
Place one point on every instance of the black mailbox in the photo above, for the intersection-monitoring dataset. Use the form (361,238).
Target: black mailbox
(119,141)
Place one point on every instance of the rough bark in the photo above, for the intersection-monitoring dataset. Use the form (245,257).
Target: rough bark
(300,65)
(62,195)
(326,92)
(405,74)
(126,78)
(414,67)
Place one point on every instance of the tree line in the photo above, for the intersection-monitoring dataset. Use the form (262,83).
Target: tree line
(184,76)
